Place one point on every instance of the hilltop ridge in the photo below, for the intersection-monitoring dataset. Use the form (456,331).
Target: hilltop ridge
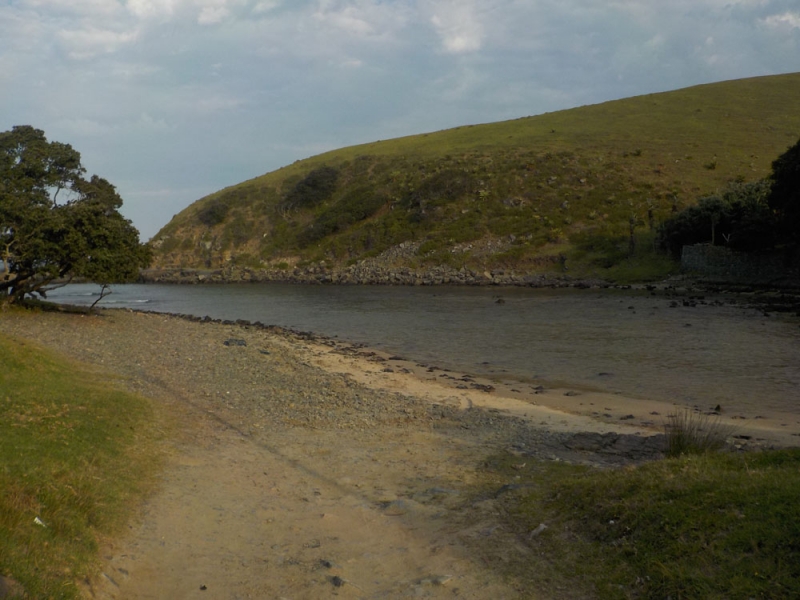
(580,190)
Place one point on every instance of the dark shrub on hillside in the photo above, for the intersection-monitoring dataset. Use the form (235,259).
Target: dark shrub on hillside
(313,189)
(355,206)
(213,213)
(439,189)
(739,218)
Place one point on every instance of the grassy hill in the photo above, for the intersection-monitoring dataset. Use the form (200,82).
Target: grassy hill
(583,187)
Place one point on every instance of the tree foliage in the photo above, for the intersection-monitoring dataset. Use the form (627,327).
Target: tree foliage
(55,223)
(739,217)
(784,197)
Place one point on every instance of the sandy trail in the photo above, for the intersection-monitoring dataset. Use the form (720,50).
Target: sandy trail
(236,519)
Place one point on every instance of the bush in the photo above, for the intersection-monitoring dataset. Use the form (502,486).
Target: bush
(437,190)
(214,212)
(313,189)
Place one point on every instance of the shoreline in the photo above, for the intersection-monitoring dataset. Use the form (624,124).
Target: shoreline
(557,407)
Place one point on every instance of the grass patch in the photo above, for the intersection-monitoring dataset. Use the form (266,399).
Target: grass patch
(76,454)
(689,432)
(715,525)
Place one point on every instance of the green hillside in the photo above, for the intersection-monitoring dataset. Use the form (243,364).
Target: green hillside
(560,190)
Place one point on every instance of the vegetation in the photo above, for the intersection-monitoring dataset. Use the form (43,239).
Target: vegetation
(714,525)
(745,216)
(44,237)
(739,218)
(784,197)
(76,454)
(584,189)
(690,432)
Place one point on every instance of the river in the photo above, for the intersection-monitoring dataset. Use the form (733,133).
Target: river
(627,342)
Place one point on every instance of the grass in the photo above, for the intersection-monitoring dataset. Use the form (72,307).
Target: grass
(710,526)
(76,455)
(583,173)
(690,432)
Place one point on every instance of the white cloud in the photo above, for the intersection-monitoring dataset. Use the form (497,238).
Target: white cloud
(265,6)
(147,9)
(88,43)
(786,20)
(81,8)
(458,26)
(211,15)
(348,19)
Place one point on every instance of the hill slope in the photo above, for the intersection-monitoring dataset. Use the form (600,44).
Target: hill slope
(582,187)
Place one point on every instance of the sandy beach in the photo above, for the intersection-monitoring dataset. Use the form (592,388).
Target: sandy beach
(301,467)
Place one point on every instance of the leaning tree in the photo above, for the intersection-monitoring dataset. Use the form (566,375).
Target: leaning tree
(57,225)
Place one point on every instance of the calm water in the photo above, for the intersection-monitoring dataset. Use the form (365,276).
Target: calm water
(616,341)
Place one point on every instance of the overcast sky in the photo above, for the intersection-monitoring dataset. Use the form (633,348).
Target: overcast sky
(171,100)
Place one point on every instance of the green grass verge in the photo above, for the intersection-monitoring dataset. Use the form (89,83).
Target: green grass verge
(76,455)
(706,526)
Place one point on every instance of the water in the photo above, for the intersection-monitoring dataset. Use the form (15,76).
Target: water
(625,342)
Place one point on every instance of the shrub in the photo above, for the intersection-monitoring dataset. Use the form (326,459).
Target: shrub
(214,212)
(313,189)
(357,205)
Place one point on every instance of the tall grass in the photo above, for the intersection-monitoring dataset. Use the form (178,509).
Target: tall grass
(76,454)
(691,432)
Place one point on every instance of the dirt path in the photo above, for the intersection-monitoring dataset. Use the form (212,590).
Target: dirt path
(317,518)
(300,469)
(353,494)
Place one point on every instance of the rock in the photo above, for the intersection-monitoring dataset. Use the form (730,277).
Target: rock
(10,588)
(234,342)
(538,531)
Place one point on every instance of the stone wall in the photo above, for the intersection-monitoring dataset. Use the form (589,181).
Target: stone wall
(718,263)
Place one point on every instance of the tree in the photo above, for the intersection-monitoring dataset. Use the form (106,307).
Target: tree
(784,196)
(57,225)
(739,217)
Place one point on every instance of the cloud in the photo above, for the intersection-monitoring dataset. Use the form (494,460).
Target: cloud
(87,43)
(265,6)
(787,20)
(211,15)
(148,9)
(73,7)
(458,26)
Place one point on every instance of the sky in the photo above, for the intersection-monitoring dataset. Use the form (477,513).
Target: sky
(171,100)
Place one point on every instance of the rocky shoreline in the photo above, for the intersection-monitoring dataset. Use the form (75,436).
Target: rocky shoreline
(363,275)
